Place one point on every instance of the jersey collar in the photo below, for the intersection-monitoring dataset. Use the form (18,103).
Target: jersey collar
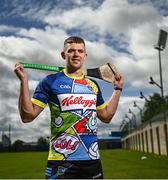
(72,76)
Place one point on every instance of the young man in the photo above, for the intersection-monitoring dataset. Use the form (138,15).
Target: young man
(75,101)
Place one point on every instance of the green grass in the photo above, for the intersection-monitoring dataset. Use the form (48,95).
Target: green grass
(128,164)
(116,164)
(23,165)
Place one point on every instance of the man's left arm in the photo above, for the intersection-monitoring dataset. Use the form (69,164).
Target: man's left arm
(106,114)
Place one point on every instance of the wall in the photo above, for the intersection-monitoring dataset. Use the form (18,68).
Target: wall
(151,137)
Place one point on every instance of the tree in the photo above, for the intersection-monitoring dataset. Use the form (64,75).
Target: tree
(154,106)
(42,141)
(18,145)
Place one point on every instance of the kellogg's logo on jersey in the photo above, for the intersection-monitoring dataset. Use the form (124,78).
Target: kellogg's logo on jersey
(77,101)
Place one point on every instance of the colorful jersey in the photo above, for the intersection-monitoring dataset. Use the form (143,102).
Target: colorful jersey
(73,103)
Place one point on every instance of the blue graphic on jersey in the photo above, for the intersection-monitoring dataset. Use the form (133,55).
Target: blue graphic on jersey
(79,88)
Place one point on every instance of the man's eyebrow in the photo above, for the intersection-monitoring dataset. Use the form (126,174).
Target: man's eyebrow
(77,48)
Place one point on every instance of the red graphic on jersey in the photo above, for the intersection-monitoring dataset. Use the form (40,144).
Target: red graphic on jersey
(81,81)
(81,126)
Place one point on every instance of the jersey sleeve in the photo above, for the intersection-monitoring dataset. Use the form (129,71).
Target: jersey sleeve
(100,101)
(41,94)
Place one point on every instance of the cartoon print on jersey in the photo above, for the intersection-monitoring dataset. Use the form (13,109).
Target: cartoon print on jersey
(81,127)
(66,144)
(82,150)
(61,123)
(69,145)
(87,125)
(58,122)
(93,151)
(81,86)
(92,123)
(73,116)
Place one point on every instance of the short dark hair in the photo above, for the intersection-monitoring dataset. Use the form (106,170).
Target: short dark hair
(74,39)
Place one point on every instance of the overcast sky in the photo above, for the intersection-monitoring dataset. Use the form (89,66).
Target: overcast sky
(122,32)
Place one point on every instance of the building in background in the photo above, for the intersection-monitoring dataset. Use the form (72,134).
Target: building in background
(112,141)
(6,142)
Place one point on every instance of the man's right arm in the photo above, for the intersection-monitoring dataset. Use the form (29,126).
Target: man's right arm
(28,111)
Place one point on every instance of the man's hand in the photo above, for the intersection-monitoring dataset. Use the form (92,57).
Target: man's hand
(119,81)
(20,72)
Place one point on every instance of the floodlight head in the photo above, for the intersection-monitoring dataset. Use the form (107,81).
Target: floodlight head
(135,105)
(151,80)
(162,40)
(141,95)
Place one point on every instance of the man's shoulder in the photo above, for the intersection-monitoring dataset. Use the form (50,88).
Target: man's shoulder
(92,81)
(54,76)
(50,78)
(93,84)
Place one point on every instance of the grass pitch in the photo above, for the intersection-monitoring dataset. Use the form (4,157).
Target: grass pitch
(122,164)
(117,164)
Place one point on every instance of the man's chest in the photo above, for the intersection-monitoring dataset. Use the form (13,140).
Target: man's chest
(73,95)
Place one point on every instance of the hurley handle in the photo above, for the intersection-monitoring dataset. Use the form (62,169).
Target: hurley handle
(42,67)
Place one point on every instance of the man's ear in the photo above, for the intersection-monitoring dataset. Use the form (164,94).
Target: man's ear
(85,56)
(63,54)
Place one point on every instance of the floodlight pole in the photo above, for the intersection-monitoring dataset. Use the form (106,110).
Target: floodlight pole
(123,124)
(133,116)
(140,109)
(160,71)
(160,47)
(143,97)
(130,121)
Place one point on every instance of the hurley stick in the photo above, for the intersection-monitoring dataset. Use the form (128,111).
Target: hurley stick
(106,72)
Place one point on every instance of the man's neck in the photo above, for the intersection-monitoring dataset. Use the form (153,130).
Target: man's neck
(76,73)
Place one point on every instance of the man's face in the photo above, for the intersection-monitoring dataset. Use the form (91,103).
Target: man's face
(75,55)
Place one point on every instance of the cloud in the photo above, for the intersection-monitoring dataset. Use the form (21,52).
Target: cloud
(8,29)
(48,44)
(110,17)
